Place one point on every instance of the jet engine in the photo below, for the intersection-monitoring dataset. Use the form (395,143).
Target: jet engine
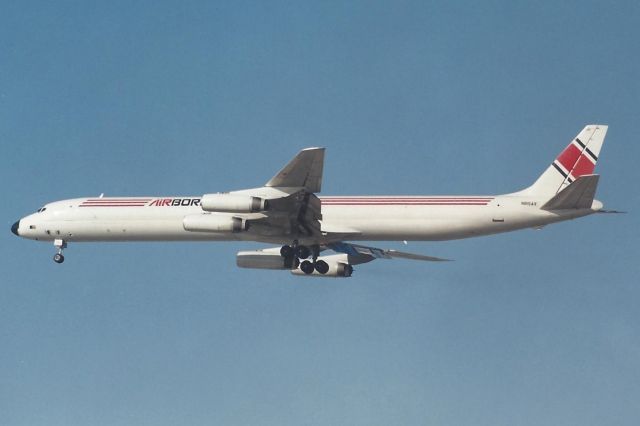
(332,266)
(214,223)
(261,259)
(233,203)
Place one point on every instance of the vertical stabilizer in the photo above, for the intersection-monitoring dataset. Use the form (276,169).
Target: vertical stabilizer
(577,159)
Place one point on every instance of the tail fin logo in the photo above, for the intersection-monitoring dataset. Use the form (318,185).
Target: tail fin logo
(579,158)
(575,161)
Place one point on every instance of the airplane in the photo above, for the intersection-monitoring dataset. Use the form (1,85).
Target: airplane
(288,213)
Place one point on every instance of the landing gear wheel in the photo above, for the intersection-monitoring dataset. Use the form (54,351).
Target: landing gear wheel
(322,267)
(286,251)
(58,258)
(302,252)
(307,267)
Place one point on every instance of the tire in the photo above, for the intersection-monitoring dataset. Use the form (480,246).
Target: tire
(286,251)
(58,258)
(307,267)
(322,267)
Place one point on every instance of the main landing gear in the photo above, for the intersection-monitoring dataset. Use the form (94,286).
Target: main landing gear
(295,255)
(61,245)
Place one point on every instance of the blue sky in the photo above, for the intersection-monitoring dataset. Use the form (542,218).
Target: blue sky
(163,98)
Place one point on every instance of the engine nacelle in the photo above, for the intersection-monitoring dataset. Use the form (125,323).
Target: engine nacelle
(214,223)
(260,259)
(233,203)
(338,267)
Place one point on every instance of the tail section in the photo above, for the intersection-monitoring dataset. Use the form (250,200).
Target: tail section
(578,159)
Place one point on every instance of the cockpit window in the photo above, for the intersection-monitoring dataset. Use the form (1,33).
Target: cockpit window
(40,210)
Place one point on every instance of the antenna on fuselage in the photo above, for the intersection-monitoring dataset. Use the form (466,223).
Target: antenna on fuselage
(101,195)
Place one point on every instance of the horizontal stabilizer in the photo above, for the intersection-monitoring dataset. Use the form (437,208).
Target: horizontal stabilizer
(578,195)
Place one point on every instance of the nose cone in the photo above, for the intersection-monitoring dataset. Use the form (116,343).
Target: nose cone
(15,227)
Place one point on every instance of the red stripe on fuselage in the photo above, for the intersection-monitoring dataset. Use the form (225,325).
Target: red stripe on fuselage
(119,200)
(373,203)
(408,200)
(112,204)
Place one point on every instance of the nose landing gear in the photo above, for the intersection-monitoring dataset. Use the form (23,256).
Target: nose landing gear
(61,245)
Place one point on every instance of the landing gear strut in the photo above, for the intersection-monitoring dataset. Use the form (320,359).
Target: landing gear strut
(61,245)
(302,252)
(295,255)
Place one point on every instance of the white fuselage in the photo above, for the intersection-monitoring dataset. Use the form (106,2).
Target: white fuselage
(390,218)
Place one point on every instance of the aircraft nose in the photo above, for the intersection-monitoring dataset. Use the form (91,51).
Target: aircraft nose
(15,227)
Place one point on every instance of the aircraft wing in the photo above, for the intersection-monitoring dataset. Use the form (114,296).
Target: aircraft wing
(362,254)
(303,171)
(331,265)
(297,215)
(294,210)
